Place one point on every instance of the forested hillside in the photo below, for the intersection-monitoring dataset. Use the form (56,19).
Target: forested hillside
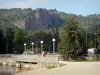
(42,18)
(26,25)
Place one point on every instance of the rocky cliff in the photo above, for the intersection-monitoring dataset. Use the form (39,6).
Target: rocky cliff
(43,18)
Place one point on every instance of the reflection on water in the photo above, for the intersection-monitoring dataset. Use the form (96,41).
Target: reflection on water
(8,70)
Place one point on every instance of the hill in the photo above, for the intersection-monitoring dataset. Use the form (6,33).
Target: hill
(42,18)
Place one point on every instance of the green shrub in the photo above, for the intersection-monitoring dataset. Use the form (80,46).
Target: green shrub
(53,66)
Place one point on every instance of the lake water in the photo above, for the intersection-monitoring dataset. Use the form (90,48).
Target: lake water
(8,70)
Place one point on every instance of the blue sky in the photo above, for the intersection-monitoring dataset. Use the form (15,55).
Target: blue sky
(83,7)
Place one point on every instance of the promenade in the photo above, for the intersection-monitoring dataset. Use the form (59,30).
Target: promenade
(72,68)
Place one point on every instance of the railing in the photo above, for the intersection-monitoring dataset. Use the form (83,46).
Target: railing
(95,57)
(50,59)
(5,55)
(6,58)
(36,58)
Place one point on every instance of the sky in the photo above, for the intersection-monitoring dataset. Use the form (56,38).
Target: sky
(78,7)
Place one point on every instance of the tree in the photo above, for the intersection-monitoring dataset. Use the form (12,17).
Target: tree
(9,38)
(91,44)
(1,43)
(69,46)
(98,46)
(37,36)
(19,39)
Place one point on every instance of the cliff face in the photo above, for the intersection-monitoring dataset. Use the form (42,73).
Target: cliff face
(43,18)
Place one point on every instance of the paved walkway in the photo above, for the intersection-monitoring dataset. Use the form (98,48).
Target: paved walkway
(72,68)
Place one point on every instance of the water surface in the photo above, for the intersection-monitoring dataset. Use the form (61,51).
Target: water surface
(8,70)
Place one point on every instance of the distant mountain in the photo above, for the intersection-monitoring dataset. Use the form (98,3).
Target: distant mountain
(42,18)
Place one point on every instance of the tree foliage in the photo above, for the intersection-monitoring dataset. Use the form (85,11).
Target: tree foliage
(69,33)
(22,36)
(69,45)
(91,44)
(19,40)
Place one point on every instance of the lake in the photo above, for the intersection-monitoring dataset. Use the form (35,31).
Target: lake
(8,70)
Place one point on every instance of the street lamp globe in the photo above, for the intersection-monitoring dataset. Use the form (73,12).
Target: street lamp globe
(95,33)
(32,43)
(53,40)
(24,44)
(41,41)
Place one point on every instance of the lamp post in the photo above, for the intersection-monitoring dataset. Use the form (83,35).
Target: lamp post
(53,45)
(95,39)
(32,46)
(36,48)
(25,47)
(41,46)
(5,36)
(86,36)
(6,44)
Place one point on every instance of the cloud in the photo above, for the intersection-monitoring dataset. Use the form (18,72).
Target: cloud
(37,1)
(22,4)
(14,5)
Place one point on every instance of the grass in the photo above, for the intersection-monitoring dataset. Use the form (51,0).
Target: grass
(51,66)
